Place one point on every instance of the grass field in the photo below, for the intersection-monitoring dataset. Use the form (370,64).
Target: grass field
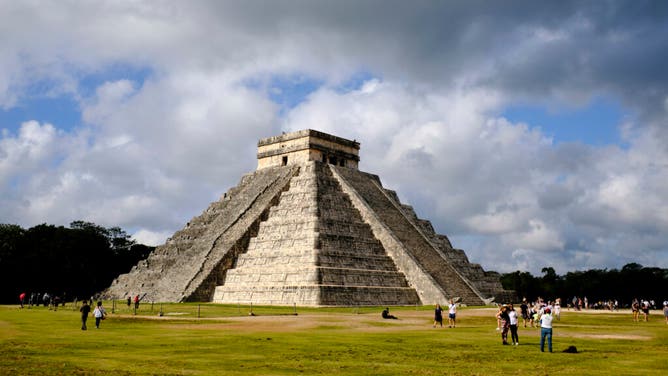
(207,339)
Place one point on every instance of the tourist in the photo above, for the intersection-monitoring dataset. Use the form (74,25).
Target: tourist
(438,315)
(129,302)
(99,314)
(645,310)
(136,302)
(546,330)
(22,297)
(557,309)
(635,308)
(512,315)
(524,309)
(665,310)
(504,323)
(386,314)
(85,309)
(498,319)
(452,313)
(532,316)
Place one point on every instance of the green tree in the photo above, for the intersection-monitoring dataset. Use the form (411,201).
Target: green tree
(76,261)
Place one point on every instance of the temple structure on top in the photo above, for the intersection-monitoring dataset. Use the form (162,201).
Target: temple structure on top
(308,228)
(307,145)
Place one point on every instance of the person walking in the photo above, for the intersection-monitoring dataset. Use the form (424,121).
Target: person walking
(85,309)
(546,330)
(99,314)
(665,310)
(452,314)
(512,315)
(438,315)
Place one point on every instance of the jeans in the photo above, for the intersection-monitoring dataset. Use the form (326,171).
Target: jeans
(546,332)
(513,334)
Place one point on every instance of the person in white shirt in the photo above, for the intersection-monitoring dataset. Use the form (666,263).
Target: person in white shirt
(452,313)
(512,314)
(557,308)
(546,330)
(99,314)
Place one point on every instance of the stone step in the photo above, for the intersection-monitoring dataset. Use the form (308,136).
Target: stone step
(322,295)
(340,248)
(317,275)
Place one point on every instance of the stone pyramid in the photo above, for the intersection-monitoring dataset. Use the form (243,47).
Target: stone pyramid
(308,228)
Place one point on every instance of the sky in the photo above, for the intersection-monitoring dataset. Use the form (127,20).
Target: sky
(531,133)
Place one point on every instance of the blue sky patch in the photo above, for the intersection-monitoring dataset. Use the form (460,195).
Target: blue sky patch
(595,124)
(117,72)
(355,82)
(290,91)
(64,111)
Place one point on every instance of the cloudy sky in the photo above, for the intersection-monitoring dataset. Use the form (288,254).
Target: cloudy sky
(531,134)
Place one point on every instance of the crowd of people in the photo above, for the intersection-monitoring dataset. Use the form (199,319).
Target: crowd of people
(54,301)
(538,314)
(45,299)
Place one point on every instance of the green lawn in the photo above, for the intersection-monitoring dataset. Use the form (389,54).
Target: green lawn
(225,340)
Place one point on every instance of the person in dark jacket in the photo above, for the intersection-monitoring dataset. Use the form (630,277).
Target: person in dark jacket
(85,310)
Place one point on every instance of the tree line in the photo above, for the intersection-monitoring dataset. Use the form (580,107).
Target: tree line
(78,261)
(630,282)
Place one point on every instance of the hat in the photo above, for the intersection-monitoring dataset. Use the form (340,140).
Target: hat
(547,310)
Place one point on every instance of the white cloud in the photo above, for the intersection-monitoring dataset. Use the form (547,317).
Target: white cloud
(150,238)
(33,147)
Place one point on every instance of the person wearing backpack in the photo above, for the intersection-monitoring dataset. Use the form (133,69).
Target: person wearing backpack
(99,314)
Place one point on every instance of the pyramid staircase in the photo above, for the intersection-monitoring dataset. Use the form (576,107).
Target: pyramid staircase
(315,249)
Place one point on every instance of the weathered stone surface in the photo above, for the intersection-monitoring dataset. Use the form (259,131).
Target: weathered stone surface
(308,228)
(194,260)
(315,246)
